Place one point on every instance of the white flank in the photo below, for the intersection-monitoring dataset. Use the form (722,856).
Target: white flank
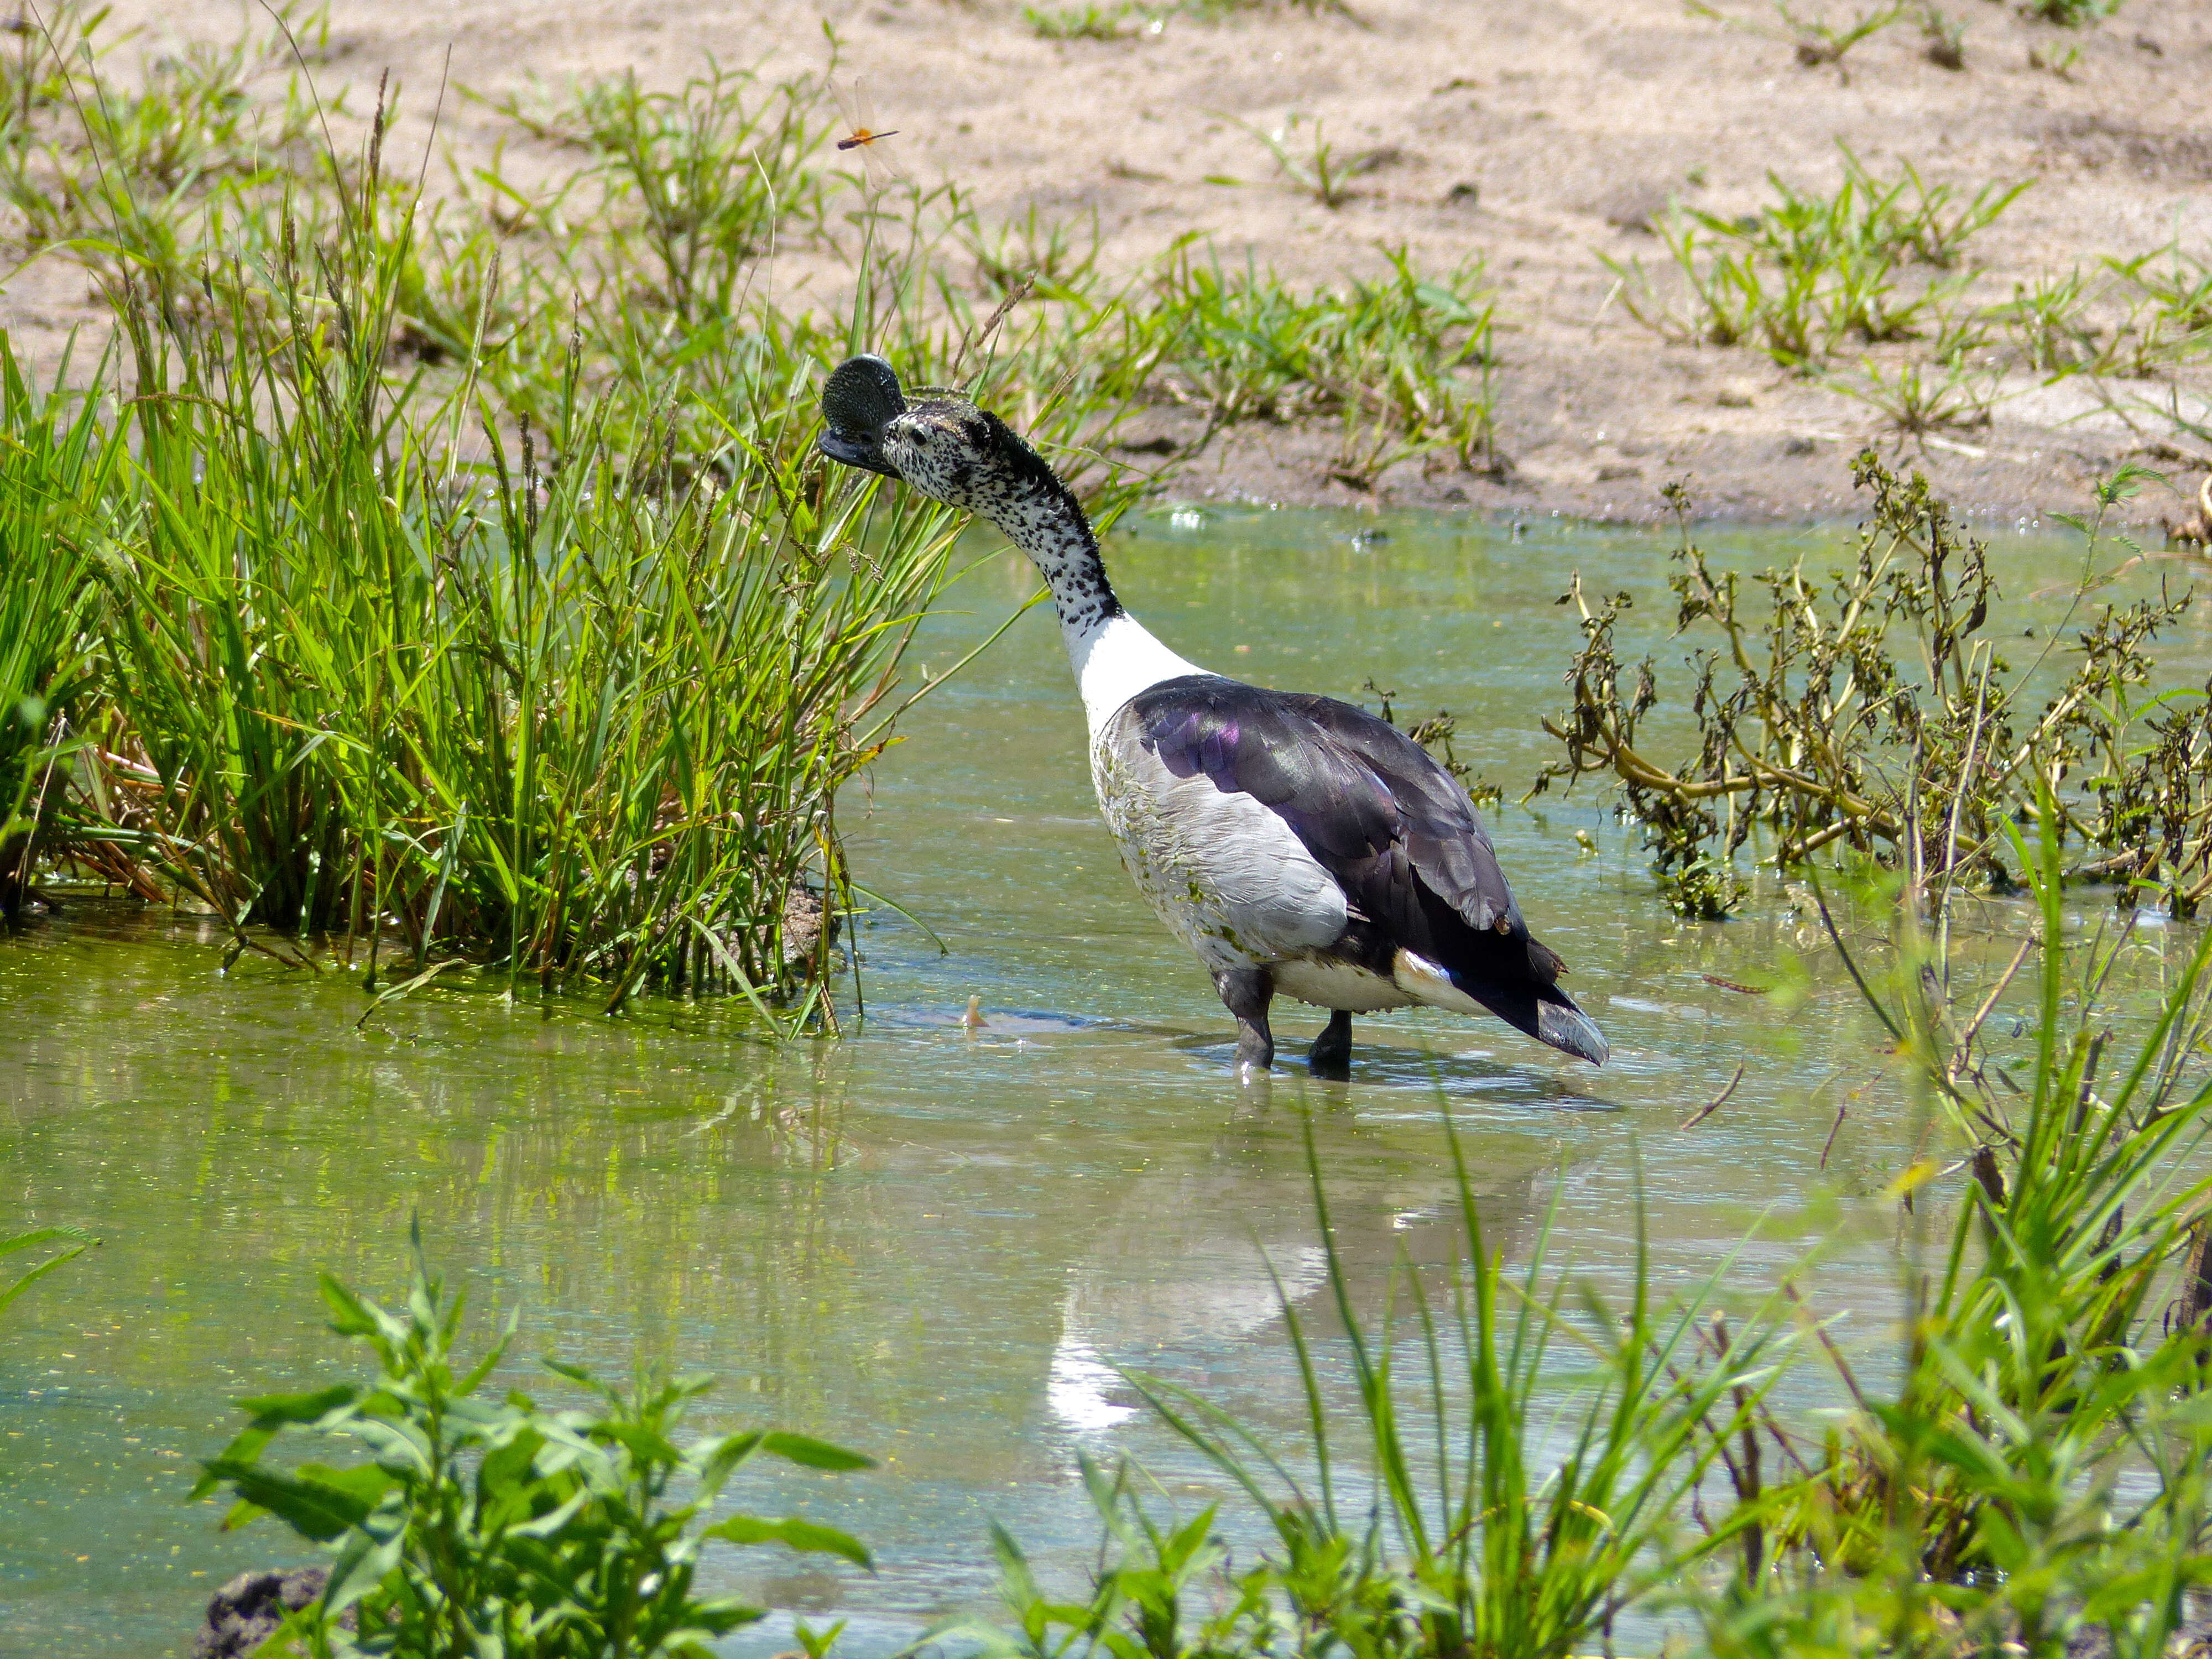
(1337,985)
(1114,660)
(1426,982)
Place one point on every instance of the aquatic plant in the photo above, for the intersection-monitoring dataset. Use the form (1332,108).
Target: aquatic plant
(577,722)
(1870,710)
(576,713)
(572,699)
(468,1523)
(1434,734)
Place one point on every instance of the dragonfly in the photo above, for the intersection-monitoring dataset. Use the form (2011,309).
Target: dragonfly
(860,112)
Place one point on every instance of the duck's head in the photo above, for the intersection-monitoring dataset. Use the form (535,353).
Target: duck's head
(937,442)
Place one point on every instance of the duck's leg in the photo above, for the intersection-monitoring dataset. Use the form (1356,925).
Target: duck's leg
(1331,1054)
(1246,993)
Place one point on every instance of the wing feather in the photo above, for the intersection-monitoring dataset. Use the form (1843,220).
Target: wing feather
(1371,806)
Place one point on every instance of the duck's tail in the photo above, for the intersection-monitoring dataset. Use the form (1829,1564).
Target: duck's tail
(1534,1003)
(1567,1028)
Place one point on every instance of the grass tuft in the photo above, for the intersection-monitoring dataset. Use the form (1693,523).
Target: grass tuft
(1405,361)
(1808,272)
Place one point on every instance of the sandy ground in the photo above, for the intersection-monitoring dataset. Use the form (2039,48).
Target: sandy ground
(1535,134)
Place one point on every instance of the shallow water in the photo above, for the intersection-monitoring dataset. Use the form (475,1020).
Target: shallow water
(921,1242)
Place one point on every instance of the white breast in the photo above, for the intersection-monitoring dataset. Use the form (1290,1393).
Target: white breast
(1115,660)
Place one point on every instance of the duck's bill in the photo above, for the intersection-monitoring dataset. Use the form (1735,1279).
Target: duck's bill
(853,451)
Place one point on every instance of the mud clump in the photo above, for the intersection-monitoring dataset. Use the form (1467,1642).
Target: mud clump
(246,1612)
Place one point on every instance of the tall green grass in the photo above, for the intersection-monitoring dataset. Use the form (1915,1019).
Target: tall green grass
(1528,1484)
(58,469)
(582,721)
(2040,1465)
(377,656)
(573,700)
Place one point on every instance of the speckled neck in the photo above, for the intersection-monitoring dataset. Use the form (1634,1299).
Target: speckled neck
(1041,516)
(1113,655)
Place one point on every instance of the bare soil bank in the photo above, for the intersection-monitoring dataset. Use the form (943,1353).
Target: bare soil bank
(1535,134)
